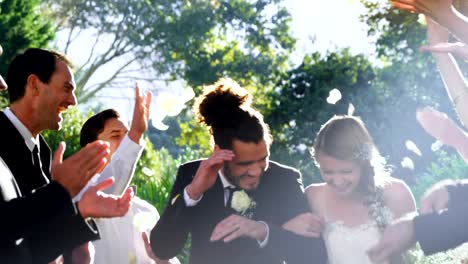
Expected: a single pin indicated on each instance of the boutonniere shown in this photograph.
(242, 203)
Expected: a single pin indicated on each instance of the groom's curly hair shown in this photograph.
(226, 108)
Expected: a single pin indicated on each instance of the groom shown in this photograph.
(242, 226)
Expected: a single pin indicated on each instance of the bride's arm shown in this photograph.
(398, 198)
(308, 224)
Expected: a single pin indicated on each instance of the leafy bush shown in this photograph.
(446, 166)
(155, 174)
(73, 119)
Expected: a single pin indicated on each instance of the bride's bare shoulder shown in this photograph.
(315, 188)
(315, 193)
(398, 196)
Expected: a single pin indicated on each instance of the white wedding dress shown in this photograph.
(348, 245)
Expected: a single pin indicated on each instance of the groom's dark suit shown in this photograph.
(49, 236)
(279, 197)
(441, 231)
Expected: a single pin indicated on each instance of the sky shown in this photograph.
(332, 23)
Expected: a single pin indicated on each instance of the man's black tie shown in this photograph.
(231, 190)
(38, 167)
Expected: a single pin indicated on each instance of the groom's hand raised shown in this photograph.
(208, 172)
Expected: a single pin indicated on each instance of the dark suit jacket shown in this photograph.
(441, 231)
(52, 233)
(279, 197)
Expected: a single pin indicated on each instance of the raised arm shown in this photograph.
(123, 162)
(455, 83)
(441, 127)
(442, 11)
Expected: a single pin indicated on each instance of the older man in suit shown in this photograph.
(234, 203)
(36, 208)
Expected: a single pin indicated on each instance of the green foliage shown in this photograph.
(70, 132)
(196, 136)
(3, 100)
(198, 41)
(299, 104)
(399, 35)
(409, 80)
(385, 97)
(22, 25)
(155, 174)
(446, 166)
(156, 171)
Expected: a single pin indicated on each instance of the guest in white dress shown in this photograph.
(358, 197)
(121, 239)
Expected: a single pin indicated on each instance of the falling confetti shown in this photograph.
(148, 172)
(422, 20)
(301, 147)
(351, 109)
(169, 104)
(436, 145)
(410, 145)
(407, 163)
(334, 96)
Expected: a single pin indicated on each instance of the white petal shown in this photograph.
(187, 94)
(412, 147)
(422, 19)
(407, 163)
(168, 103)
(334, 96)
(351, 109)
(301, 147)
(157, 123)
(436, 145)
(148, 172)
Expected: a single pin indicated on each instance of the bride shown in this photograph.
(358, 197)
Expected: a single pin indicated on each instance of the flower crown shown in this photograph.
(364, 152)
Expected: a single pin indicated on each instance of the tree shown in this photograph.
(299, 105)
(411, 77)
(197, 41)
(386, 97)
(23, 24)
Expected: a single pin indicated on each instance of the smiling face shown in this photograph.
(248, 165)
(56, 96)
(342, 176)
(113, 132)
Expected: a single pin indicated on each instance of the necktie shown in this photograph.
(42, 178)
(230, 192)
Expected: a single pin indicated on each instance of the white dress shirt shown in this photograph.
(121, 167)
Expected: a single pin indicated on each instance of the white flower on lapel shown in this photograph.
(241, 201)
